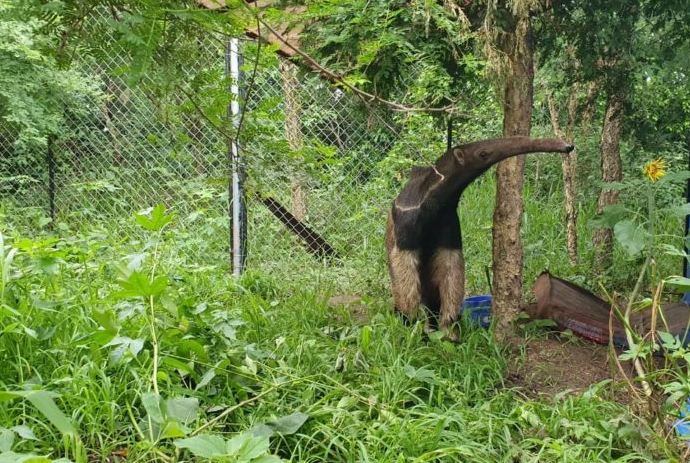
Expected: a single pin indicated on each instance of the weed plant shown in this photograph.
(113, 347)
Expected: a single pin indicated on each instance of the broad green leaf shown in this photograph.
(672, 250)
(267, 459)
(186, 347)
(155, 220)
(234, 445)
(668, 340)
(24, 432)
(43, 401)
(254, 447)
(422, 374)
(630, 236)
(6, 396)
(680, 211)
(12, 457)
(139, 285)
(124, 344)
(262, 430)
(610, 217)
(289, 424)
(47, 264)
(106, 319)
(35, 459)
(182, 409)
(151, 403)
(682, 283)
(675, 176)
(172, 430)
(203, 445)
(6, 440)
(208, 376)
(178, 365)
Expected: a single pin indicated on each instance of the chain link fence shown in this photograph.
(320, 167)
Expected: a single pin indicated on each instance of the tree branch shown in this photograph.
(334, 77)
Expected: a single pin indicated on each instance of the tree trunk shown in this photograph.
(589, 106)
(569, 165)
(517, 118)
(107, 111)
(293, 134)
(611, 171)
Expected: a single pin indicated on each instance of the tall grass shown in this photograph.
(239, 356)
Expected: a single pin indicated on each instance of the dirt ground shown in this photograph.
(552, 365)
(546, 365)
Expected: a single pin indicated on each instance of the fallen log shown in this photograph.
(312, 241)
(585, 314)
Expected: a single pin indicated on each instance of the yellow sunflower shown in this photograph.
(655, 169)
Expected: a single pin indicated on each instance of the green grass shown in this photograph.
(373, 390)
(263, 348)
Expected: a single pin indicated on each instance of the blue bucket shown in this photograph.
(682, 425)
(478, 309)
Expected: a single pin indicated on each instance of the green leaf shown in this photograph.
(365, 338)
(139, 285)
(680, 211)
(173, 429)
(24, 432)
(422, 374)
(106, 319)
(675, 176)
(12, 457)
(682, 283)
(668, 340)
(254, 447)
(630, 236)
(610, 216)
(6, 440)
(672, 250)
(182, 409)
(267, 459)
(152, 405)
(178, 365)
(208, 376)
(43, 401)
(234, 445)
(262, 430)
(289, 424)
(203, 445)
(154, 220)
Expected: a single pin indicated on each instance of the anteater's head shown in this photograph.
(473, 159)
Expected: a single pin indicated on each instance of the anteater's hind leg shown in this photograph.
(404, 270)
(405, 281)
(447, 272)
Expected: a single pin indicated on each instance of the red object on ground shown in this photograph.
(585, 314)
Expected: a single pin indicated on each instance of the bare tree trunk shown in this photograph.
(569, 165)
(590, 105)
(507, 244)
(293, 134)
(611, 171)
(107, 110)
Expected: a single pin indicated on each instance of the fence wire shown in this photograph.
(318, 166)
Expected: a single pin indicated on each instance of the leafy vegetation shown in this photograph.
(122, 337)
(115, 351)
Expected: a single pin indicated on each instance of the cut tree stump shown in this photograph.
(585, 314)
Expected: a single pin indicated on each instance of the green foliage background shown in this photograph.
(121, 332)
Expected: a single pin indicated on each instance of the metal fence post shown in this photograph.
(51, 178)
(236, 195)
